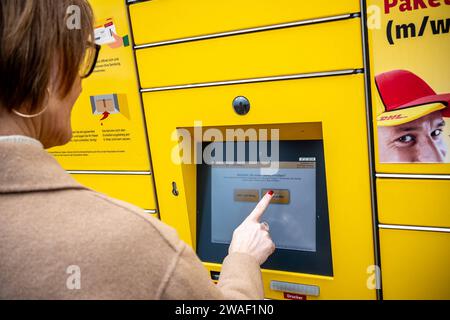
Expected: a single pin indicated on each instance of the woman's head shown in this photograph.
(41, 59)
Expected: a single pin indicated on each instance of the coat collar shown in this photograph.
(26, 167)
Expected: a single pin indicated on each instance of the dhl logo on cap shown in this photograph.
(406, 97)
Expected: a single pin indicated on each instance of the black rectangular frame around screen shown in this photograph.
(319, 262)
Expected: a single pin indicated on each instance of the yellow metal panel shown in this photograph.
(415, 264)
(160, 20)
(414, 202)
(320, 47)
(325, 283)
(335, 103)
(138, 190)
(119, 141)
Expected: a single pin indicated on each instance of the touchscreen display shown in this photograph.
(236, 189)
(228, 190)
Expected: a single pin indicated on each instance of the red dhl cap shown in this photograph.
(406, 97)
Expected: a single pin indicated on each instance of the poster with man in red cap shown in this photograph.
(410, 43)
(411, 127)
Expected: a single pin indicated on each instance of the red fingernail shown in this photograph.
(270, 192)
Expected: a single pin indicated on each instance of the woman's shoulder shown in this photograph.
(122, 251)
(127, 212)
(105, 212)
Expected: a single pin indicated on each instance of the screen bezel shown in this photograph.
(318, 262)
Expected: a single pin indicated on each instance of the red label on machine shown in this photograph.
(294, 296)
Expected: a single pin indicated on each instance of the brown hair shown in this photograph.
(34, 36)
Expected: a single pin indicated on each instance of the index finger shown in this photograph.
(262, 205)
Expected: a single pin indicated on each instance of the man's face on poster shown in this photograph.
(421, 140)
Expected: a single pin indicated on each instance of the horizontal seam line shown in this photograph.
(413, 227)
(298, 23)
(308, 75)
(413, 176)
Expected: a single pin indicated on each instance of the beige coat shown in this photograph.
(52, 230)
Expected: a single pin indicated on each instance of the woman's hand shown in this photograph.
(252, 236)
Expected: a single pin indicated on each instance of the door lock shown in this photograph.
(175, 189)
(241, 105)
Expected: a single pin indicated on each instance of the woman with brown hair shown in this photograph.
(51, 227)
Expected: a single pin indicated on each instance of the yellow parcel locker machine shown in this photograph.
(218, 146)
(320, 219)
